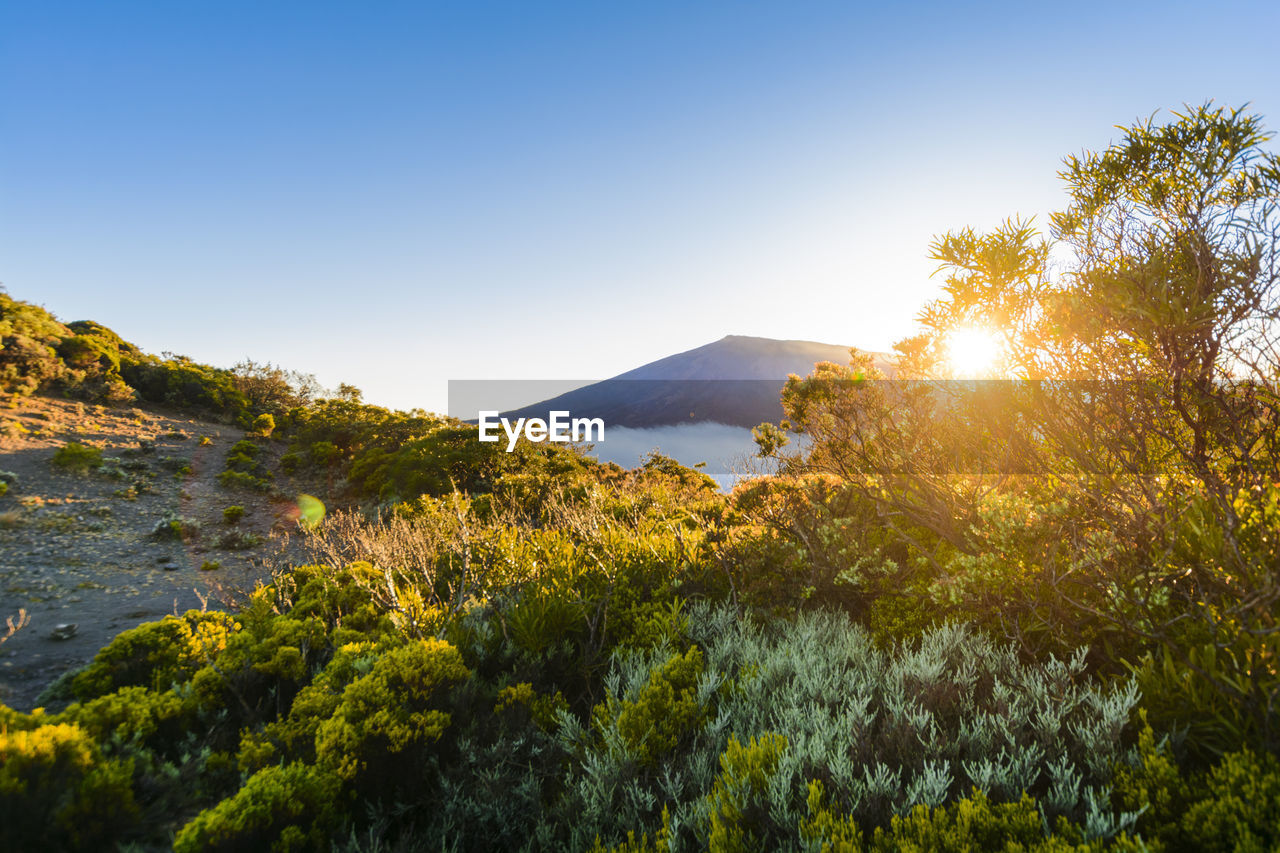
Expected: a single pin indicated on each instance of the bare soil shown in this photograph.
(79, 549)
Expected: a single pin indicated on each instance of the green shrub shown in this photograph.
(1234, 806)
(290, 462)
(156, 654)
(245, 447)
(78, 458)
(232, 514)
(176, 528)
(131, 715)
(263, 425)
(238, 540)
(325, 453)
(739, 802)
(57, 792)
(293, 808)
(241, 480)
(969, 825)
(382, 714)
(662, 713)
(883, 729)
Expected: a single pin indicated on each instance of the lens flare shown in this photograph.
(973, 351)
(310, 512)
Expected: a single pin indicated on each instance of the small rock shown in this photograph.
(170, 567)
(63, 631)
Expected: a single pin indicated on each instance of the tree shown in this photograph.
(1129, 467)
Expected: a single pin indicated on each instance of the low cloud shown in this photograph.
(728, 451)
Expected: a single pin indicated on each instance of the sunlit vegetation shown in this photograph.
(1036, 613)
(77, 458)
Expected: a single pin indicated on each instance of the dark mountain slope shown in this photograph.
(735, 380)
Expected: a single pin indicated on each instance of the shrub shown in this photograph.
(263, 425)
(290, 808)
(884, 730)
(173, 527)
(131, 715)
(974, 823)
(384, 713)
(232, 514)
(739, 802)
(325, 453)
(238, 540)
(241, 480)
(58, 792)
(78, 458)
(156, 654)
(662, 713)
(1233, 806)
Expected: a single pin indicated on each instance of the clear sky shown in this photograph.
(396, 194)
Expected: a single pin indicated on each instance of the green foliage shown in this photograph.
(325, 453)
(530, 650)
(244, 468)
(243, 480)
(232, 514)
(184, 384)
(884, 730)
(969, 825)
(288, 809)
(57, 791)
(1234, 806)
(1182, 687)
(176, 528)
(29, 336)
(1242, 809)
(77, 458)
(738, 801)
(384, 713)
(156, 654)
(263, 425)
(291, 462)
(131, 715)
(662, 713)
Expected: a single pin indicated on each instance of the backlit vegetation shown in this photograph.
(1031, 614)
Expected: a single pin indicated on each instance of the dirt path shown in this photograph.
(79, 548)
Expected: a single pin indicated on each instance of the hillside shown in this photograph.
(80, 548)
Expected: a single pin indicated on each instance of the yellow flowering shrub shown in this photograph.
(390, 709)
(156, 654)
(57, 792)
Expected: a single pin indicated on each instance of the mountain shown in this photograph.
(735, 380)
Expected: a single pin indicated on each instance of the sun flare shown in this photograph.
(973, 351)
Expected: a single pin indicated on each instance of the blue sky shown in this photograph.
(397, 194)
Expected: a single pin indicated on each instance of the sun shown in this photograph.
(973, 351)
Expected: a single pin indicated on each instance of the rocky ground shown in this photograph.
(78, 549)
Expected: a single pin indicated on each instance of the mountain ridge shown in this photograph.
(735, 380)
